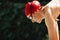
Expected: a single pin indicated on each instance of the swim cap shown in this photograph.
(31, 7)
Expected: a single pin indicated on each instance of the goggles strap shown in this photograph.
(31, 10)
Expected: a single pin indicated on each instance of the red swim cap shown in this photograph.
(31, 7)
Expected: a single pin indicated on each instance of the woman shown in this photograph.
(49, 12)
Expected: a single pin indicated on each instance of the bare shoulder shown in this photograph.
(47, 10)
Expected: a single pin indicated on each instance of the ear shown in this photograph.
(43, 7)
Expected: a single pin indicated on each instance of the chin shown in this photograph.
(39, 21)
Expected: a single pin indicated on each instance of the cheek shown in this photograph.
(41, 18)
(37, 16)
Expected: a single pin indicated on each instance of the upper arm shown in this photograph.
(51, 25)
(49, 20)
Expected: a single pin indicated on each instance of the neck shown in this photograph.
(42, 13)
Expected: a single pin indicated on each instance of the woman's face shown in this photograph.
(37, 16)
